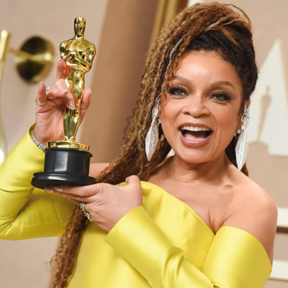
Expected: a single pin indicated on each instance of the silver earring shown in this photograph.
(241, 148)
(152, 137)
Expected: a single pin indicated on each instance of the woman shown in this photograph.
(195, 220)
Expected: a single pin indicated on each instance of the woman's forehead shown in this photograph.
(206, 64)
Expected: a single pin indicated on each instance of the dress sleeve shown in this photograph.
(230, 262)
(25, 211)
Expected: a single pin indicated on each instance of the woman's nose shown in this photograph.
(196, 106)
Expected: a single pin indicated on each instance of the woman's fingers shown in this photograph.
(76, 194)
(133, 180)
(63, 93)
(77, 198)
(60, 90)
(41, 97)
(61, 70)
(77, 191)
(85, 102)
(55, 92)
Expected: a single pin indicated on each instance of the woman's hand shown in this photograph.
(106, 203)
(49, 117)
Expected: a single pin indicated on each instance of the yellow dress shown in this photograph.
(162, 244)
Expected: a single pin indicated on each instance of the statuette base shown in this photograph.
(64, 166)
(69, 145)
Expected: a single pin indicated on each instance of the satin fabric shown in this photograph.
(163, 243)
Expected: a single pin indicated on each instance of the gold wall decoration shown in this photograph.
(33, 61)
(4, 45)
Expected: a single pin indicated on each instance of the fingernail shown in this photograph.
(48, 189)
(64, 90)
(71, 105)
(89, 89)
(58, 189)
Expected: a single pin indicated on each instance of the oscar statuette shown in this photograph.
(67, 161)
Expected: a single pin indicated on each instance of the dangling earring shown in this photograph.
(152, 137)
(241, 148)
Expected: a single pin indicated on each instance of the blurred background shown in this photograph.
(122, 32)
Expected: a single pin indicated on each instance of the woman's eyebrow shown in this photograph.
(227, 83)
(185, 80)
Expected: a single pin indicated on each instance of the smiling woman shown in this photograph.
(203, 103)
(195, 219)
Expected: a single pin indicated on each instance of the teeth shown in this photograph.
(194, 139)
(192, 128)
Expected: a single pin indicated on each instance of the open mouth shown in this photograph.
(193, 133)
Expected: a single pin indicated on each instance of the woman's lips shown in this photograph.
(193, 141)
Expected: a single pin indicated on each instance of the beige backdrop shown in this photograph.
(126, 28)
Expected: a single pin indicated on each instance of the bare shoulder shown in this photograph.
(254, 211)
(97, 168)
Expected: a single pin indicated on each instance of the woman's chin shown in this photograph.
(192, 158)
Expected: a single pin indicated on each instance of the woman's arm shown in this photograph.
(255, 212)
(236, 259)
(27, 212)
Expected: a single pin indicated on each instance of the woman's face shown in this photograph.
(201, 111)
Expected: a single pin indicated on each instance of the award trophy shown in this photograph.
(67, 161)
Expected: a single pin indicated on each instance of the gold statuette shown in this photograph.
(67, 161)
(78, 54)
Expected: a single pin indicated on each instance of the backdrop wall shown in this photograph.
(121, 31)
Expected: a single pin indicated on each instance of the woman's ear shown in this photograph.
(248, 102)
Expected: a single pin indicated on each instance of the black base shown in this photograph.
(46, 179)
(64, 166)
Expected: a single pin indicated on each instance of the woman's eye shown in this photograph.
(177, 91)
(221, 97)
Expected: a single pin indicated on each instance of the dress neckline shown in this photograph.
(179, 201)
(200, 219)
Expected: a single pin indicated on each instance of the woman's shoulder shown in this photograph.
(255, 197)
(254, 211)
(247, 189)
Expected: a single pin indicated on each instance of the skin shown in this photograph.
(202, 177)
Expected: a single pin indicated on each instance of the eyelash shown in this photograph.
(223, 96)
(179, 91)
(176, 90)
